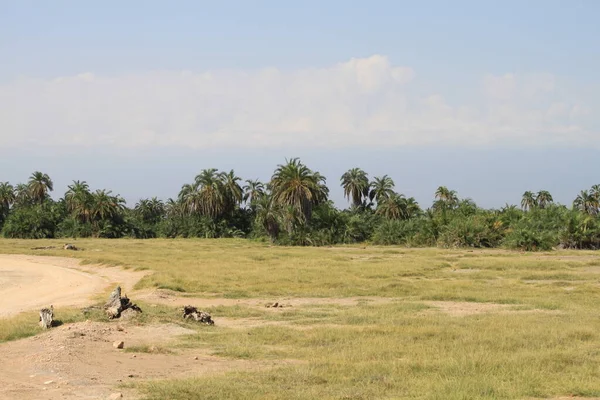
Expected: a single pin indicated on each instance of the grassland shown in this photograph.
(445, 324)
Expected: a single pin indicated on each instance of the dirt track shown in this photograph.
(32, 282)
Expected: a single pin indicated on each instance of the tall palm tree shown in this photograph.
(79, 200)
(253, 190)
(293, 184)
(207, 195)
(211, 196)
(234, 194)
(356, 185)
(528, 201)
(446, 196)
(39, 185)
(544, 198)
(267, 215)
(586, 203)
(381, 188)
(7, 198)
(595, 192)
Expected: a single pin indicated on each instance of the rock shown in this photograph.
(120, 328)
(48, 382)
(118, 345)
(115, 396)
(195, 358)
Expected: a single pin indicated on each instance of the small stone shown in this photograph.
(195, 358)
(120, 328)
(133, 356)
(48, 382)
(115, 396)
(118, 345)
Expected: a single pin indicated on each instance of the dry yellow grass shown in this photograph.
(456, 324)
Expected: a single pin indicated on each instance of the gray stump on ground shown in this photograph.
(46, 317)
(117, 304)
(197, 315)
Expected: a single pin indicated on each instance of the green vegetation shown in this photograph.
(293, 209)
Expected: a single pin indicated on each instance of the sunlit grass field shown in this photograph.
(446, 324)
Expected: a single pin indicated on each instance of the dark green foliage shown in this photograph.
(294, 209)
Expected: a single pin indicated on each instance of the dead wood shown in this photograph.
(197, 315)
(116, 304)
(43, 248)
(46, 317)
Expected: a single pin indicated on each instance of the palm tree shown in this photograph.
(267, 215)
(446, 196)
(528, 201)
(7, 198)
(595, 192)
(253, 190)
(586, 203)
(22, 194)
(210, 193)
(232, 189)
(79, 200)
(207, 195)
(295, 185)
(392, 207)
(412, 208)
(381, 188)
(543, 199)
(150, 210)
(39, 186)
(356, 185)
(106, 206)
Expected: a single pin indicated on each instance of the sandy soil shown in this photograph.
(33, 282)
(79, 361)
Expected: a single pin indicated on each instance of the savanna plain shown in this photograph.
(355, 322)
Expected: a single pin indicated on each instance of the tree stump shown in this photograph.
(46, 317)
(117, 304)
(70, 246)
(196, 315)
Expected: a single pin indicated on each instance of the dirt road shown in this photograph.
(32, 282)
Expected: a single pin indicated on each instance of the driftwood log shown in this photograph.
(46, 317)
(117, 304)
(197, 315)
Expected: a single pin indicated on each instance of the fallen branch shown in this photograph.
(43, 248)
(46, 317)
(117, 304)
(196, 315)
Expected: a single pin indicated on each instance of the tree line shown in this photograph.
(293, 208)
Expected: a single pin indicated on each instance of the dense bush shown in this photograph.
(294, 209)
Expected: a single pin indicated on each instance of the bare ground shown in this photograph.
(79, 361)
(31, 282)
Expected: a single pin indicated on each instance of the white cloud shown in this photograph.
(361, 102)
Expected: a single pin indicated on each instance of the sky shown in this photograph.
(489, 98)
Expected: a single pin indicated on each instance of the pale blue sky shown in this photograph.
(445, 90)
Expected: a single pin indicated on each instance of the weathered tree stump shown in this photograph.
(70, 246)
(117, 304)
(46, 317)
(196, 315)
